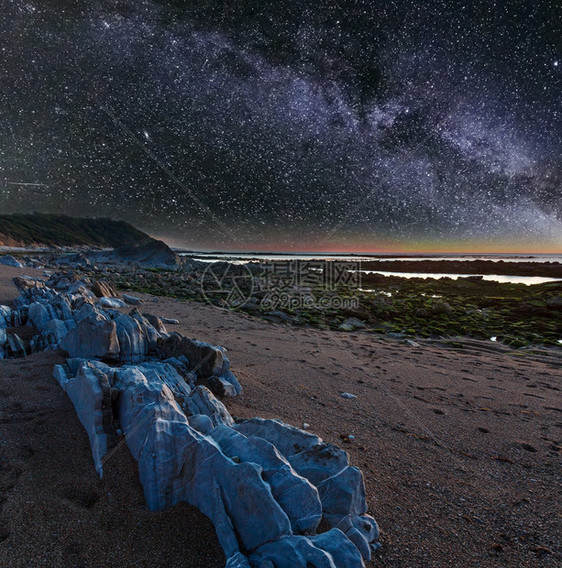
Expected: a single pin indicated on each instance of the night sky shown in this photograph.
(289, 124)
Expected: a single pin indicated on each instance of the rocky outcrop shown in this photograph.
(95, 336)
(9, 260)
(154, 254)
(210, 363)
(266, 486)
(14, 347)
(103, 289)
(90, 393)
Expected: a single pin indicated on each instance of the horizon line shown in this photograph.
(369, 253)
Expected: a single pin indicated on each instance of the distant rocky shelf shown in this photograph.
(520, 268)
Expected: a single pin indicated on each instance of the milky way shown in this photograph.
(288, 124)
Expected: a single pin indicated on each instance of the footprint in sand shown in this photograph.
(82, 496)
(4, 531)
(8, 479)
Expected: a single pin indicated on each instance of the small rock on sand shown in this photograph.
(348, 395)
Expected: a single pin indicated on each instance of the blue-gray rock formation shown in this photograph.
(265, 485)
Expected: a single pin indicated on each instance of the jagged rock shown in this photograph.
(103, 289)
(253, 495)
(207, 359)
(24, 283)
(363, 532)
(319, 462)
(293, 551)
(52, 334)
(133, 342)
(210, 363)
(296, 495)
(5, 316)
(61, 375)
(208, 405)
(287, 439)
(167, 374)
(152, 334)
(201, 422)
(177, 463)
(84, 311)
(239, 561)
(156, 322)
(95, 336)
(343, 495)
(14, 347)
(62, 284)
(38, 315)
(264, 484)
(90, 393)
(74, 364)
(9, 260)
(183, 370)
(219, 386)
(341, 487)
(229, 382)
(344, 554)
(132, 300)
(111, 303)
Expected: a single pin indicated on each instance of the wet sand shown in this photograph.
(460, 448)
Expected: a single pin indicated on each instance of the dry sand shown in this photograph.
(460, 448)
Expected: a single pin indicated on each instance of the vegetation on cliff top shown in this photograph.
(62, 230)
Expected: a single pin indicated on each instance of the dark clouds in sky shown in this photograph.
(288, 121)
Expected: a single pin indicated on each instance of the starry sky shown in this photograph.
(289, 124)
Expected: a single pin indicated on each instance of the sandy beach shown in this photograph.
(460, 447)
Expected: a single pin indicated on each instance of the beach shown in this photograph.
(459, 445)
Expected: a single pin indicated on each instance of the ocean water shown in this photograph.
(240, 258)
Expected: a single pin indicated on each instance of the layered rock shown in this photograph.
(210, 363)
(103, 289)
(95, 336)
(260, 496)
(265, 485)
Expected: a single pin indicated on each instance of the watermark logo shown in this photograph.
(296, 301)
(292, 285)
(315, 274)
(227, 285)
